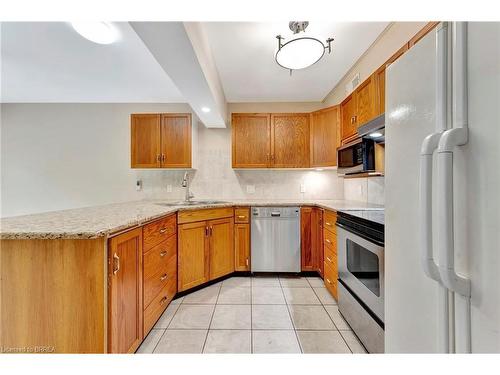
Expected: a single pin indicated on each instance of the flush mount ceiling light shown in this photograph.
(205, 109)
(97, 32)
(302, 52)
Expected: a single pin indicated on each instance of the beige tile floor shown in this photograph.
(259, 314)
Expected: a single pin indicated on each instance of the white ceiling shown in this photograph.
(244, 54)
(50, 62)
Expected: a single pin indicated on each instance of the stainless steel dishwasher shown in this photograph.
(275, 235)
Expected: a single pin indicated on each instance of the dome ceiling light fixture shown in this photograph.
(302, 52)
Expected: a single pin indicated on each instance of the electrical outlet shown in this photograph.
(302, 188)
(250, 189)
(169, 188)
(138, 185)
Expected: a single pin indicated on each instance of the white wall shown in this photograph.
(60, 156)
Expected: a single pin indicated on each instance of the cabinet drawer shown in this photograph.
(157, 259)
(154, 282)
(329, 220)
(330, 240)
(158, 305)
(158, 231)
(331, 276)
(191, 216)
(241, 215)
(331, 257)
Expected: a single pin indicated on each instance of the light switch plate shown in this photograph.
(250, 189)
(169, 188)
(302, 188)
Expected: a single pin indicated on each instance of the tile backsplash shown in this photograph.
(369, 189)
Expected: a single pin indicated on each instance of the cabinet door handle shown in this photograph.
(163, 277)
(328, 241)
(246, 262)
(162, 157)
(163, 230)
(211, 230)
(158, 157)
(328, 259)
(206, 231)
(163, 253)
(163, 300)
(116, 263)
(328, 281)
(327, 223)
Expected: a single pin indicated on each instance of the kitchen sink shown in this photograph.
(189, 203)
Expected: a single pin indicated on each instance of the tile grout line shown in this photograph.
(168, 325)
(211, 318)
(291, 319)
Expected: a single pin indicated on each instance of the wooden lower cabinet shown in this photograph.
(242, 247)
(330, 251)
(331, 276)
(205, 249)
(125, 312)
(311, 239)
(193, 255)
(221, 244)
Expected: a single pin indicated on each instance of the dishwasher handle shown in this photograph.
(275, 213)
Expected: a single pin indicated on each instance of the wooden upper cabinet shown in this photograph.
(348, 111)
(366, 101)
(193, 255)
(251, 140)
(161, 140)
(380, 79)
(290, 140)
(221, 233)
(145, 140)
(125, 310)
(176, 140)
(325, 137)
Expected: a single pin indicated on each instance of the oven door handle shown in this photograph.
(362, 235)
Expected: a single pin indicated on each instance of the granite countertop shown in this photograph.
(101, 221)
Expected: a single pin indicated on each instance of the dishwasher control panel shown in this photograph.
(285, 212)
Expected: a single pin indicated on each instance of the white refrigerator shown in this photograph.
(442, 224)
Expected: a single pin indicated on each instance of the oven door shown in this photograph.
(361, 268)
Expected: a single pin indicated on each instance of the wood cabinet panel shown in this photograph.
(318, 240)
(190, 216)
(348, 116)
(176, 140)
(311, 239)
(251, 140)
(242, 247)
(160, 267)
(366, 103)
(324, 137)
(331, 279)
(125, 312)
(153, 312)
(290, 146)
(193, 255)
(241, 214)
(330, 218)
(221, 233)
(145, 140)
(330, 239)
(158, 231)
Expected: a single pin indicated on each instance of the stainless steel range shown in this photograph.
(360, 247)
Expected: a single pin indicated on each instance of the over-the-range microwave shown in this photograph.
(357, 156)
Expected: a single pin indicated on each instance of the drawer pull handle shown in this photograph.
(163, 253)
(327, 240)
(116, 263)
(328, 259)
(163, 300)
(328, 281)
(163, 277)
(327, 223)
(163, 230)
(241, 216)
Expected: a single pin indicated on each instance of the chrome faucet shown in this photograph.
(185, 184)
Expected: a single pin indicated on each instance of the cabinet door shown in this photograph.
(251, 140)
(125, 292)
(365, 101)
(324, 139)
(176, 140)
(317, 239)
(242, 247)
(348, 109)
(145, 140)
(290, 146)
(306, 248)
(221, 247)
(193, 257)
